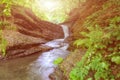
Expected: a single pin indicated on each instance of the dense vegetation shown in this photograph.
(102, 44)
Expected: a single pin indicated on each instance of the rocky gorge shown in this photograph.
(25, 32)
(88, 43)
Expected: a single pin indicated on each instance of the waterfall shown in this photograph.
(59, 42)
(65, 30)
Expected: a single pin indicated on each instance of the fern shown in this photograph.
(98, 42)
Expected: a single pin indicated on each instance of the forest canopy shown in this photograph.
(55, 11)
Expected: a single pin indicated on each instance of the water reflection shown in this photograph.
(17, 69)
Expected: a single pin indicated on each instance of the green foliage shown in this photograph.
(111, 2)
(56, 15)
(116, 59)
(103, 47)
(3, 41)
(92, 38)
(58, 61)
(6, 11)
(89, 79)
(3, 44)
(93, 59)
(101, 67)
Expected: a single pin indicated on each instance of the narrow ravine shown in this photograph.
(35, 67)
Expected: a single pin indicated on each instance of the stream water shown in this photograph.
(35, 67)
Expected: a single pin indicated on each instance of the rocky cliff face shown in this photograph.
(25, 32)
(28, 24)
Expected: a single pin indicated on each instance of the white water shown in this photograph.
(44, 63)
(65, 30)
(59, 42)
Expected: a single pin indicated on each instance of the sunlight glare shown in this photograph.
(48, 5)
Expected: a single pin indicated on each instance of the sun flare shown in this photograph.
(48, 5)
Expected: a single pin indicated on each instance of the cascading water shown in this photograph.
(65, 30)
(47, 58)
(35, 67)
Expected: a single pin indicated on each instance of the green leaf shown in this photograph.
(116, 59)
(79, 42)
(58, 61)
(89, 79)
